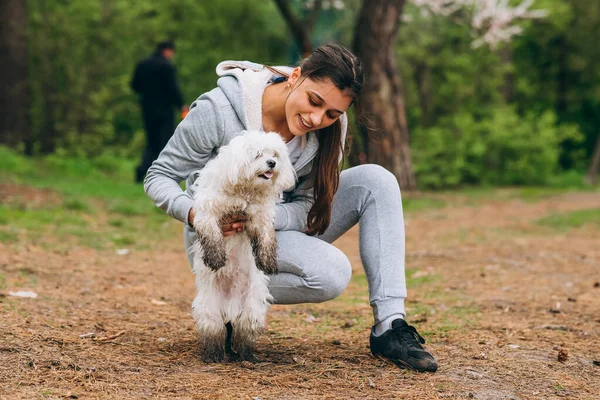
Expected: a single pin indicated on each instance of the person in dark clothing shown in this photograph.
(155, 81)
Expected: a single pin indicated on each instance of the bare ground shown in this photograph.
(497, 296)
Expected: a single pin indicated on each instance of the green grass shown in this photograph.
(76, 204)
(456, 315)
(574, 219)
(99, 205)
(415, 204)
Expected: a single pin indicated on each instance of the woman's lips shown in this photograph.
(303, 123)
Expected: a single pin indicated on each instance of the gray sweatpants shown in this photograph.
(311, 270)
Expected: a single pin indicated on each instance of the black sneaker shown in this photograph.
(402, 345)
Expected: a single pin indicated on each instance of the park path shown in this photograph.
(498, 296)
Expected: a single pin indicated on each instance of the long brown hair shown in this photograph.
(345, 70)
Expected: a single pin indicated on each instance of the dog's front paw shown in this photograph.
(265, 255)
(213, 252)
(269, 269)
(214, 261)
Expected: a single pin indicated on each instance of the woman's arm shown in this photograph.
(293, 215)
(188, 151)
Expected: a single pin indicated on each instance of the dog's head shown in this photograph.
(259, 160)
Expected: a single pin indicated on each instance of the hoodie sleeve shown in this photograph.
(293, 215)
(189, 150)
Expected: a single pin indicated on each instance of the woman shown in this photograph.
(307, 106)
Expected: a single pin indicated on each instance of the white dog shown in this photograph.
(246, 178)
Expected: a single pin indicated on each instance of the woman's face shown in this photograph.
(313, 105)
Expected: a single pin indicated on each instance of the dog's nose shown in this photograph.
(271, 163)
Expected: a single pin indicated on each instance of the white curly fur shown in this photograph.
(247, 176)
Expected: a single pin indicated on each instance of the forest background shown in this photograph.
(517, 113)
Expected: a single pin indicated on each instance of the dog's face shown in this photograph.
(260, 160)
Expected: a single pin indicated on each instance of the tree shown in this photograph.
(14, 84)
(300, 29)
(592, 173)
(374, 43)
(383, 99)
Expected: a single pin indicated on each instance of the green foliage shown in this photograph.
(82, 56)
(13, 161)
(573, 219)
(503, 149)
(90, 191)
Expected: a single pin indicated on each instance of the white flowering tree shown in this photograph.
(493, 22)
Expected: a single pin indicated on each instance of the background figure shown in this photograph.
(156, 81)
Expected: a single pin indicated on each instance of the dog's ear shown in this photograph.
(287, 174)
(287, 177)
(236, 160)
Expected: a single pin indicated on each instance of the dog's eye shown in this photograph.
(259, 154)
(276, 155)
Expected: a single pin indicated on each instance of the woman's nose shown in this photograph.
(316, 118)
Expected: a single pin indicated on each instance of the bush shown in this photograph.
(12, 161)
(503, 149)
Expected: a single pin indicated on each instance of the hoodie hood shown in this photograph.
(243, 83)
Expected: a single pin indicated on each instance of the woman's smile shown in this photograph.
(304, 124)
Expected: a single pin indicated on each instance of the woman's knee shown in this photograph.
(334, 275)
(371, 176)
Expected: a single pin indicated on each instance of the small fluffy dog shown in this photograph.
(246, 178)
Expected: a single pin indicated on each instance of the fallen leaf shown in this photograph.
(310, 318)
(158, 302)
(23, 293)
(371, 383)
(105, 338)
(553, 327)
(563, 355)
(514, 346)
(122, 252)
(88, 335)
(347, 324)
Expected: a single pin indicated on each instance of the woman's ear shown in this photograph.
(294, 76)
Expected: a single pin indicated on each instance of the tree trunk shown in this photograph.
(14, 84)
(382, 98)
(592, 174)
(300, 29)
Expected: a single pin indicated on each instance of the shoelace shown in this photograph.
(409, 332)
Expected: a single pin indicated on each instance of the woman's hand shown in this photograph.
(233, 224)
(230, 226)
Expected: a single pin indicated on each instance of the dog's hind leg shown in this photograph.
(243, 341)
(252, 320)
(214, 347)
(211, 328)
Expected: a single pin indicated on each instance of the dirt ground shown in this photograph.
(497, 296)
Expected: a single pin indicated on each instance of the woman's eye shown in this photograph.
(331, 116)
(312, 102)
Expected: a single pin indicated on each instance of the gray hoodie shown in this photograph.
(214, 119)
